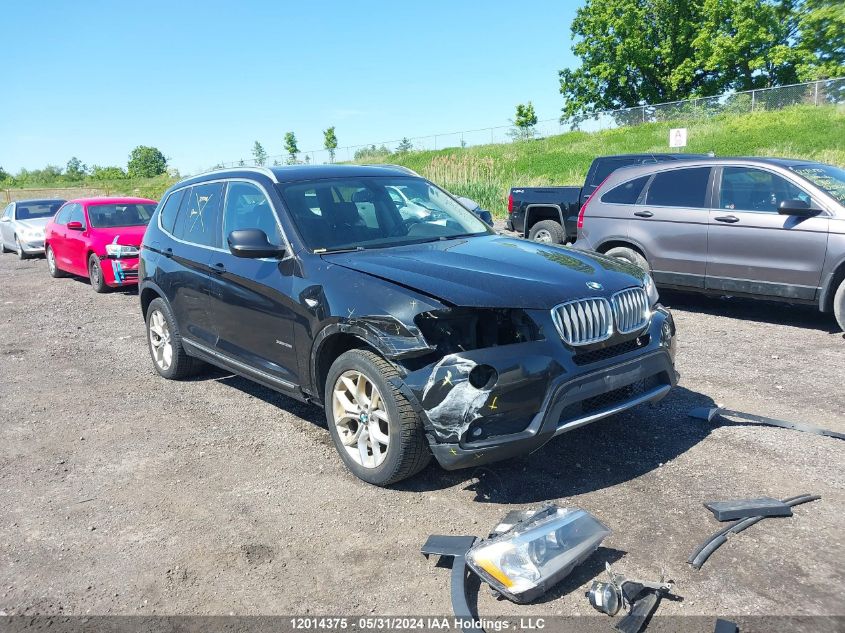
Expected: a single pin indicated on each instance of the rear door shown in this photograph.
(6, 223)
(187, 277)
(752, 248)
(57, 234)
(669, 222)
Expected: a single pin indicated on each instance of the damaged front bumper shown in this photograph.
(495, 403)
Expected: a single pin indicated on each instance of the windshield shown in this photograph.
(827, 177)
(357, 213)
(36, 209)
(106, 216)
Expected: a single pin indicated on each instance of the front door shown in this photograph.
(6, 223)
(252, 300)
(752, 249)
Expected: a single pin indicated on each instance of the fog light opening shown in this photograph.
(483, 376)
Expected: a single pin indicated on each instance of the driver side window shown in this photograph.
(248, 208)
(748, 189)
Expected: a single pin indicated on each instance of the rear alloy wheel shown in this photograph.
(52, 266)
(629, 255)
(547, 232)
(19, 249)
(95, 274)
(375, 429)
(839, 305)
(169, 356)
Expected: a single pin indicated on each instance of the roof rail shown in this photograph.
(261, 170)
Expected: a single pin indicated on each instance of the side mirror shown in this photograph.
(75, 226)
(485, 216)
(5, 219)
(253, 244)
(797, 208)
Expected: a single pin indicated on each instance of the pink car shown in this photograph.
(99, 238)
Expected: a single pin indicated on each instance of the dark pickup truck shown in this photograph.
(550, 214)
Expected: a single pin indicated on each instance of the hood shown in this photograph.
(37, 224)
(494, 271)
(126, 235)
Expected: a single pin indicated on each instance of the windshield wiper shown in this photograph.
(326, 251)
(443, 238)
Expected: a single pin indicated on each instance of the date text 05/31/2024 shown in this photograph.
(398, 623)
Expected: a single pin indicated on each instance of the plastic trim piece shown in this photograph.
(703, 552)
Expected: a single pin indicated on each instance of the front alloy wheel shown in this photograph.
(160, 344)
(19, 248)
(361, 418)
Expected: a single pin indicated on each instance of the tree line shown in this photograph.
(144, 162)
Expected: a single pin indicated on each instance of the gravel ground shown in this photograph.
(124, 493)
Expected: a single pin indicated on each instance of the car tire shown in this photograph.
(163, 333)
(95, 274)
(52, 265)
(631, 256)
(405, 453)
(547, 232)
(839, 305)
(19, 249)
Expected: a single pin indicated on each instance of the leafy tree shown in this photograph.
(146, 162)
(525, 122)
(107, 173)
(330, 142)
(652, 51)
(405, 145)
(75, 169)
(372, 153)
(291, 147)
(259, 154)
(821, 40)
(4, 175)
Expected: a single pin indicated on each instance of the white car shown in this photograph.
(22, 225)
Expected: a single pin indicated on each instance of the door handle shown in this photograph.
(218, 268)
(643, 214)
(730, 219)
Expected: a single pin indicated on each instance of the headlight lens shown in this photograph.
(650, 290)
(530, 557)
(121, 250)
(31, 234)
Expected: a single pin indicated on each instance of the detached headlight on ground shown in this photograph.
(532, 555)
(120, 250)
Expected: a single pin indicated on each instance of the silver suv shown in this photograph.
(767, 228)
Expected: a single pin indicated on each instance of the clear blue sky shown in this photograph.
(203, 80)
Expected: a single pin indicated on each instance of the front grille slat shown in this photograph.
(583, 321)
(630, 308)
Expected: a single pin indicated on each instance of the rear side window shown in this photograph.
(680, 188)
(170, 210)
(199, 220)
(626, 193)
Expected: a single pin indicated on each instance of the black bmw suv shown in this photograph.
(374, 294)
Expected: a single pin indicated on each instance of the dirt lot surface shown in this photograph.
(123, 493)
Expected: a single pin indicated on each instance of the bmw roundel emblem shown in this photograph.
(594, 285)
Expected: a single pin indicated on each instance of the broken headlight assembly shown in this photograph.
(523, 560)
(464, 329)
(116, 251)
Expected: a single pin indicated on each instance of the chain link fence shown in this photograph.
(814, 93)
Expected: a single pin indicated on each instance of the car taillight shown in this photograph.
(586, 202)
(510, 203)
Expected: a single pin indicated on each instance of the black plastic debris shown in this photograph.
(743, 508)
